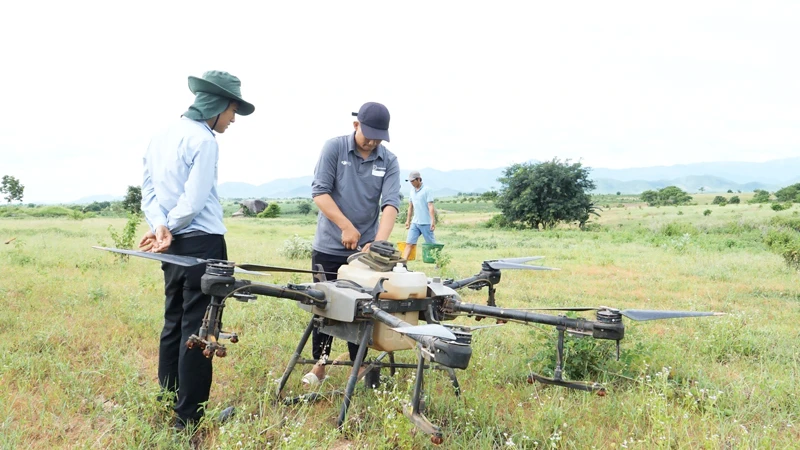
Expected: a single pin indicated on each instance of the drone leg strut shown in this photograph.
(351, 381)
(415, 415)
(454, 380)
(293, 361)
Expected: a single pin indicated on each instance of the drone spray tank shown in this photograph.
(401, 285)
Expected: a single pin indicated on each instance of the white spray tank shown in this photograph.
(401, 284)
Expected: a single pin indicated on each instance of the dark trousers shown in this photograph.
(321, 342)
(181, 370)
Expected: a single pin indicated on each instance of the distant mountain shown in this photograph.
(779, 172)
(691, 183)
(712, 177)
(97, 198)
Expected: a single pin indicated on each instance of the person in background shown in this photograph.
(357, 190)
(182, 208)
(421, 218)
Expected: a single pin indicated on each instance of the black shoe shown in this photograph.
(179, 425)
(226, 414)
(372, 379)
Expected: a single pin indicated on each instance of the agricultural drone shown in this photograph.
(378, 303)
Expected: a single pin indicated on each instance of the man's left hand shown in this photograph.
(433, 227)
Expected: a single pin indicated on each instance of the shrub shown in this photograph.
(786, 243)
(296, 248)
(128, 235)
(304, 208)
(719, 200)
(707, 212)
(780, 206)
(734, 200)
(272, 211)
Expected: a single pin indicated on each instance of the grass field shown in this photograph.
(80, 340)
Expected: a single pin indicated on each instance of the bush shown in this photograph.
(500, 221)
(127, 237)
(707, 212)
(719, 200)
(786, 243)
(761, 196)
(304, 208)
(296, 248)
(781, 206)
(272, 211)
(734, 200)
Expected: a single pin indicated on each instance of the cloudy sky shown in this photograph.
(615, 84)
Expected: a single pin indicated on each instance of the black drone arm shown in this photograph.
(477, 281)
(299, 293)
(612, 331)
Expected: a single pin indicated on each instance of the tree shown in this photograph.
(650, 197)
(702, 189)
(761, 196)
(544, 194)
(11, 188)
(304, 208)
(133, 200)
(668, 196)
(719, 200)
(734, 200)
(789, 193)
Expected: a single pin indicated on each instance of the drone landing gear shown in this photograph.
(209, 342)
(414, 411)
(557, 380)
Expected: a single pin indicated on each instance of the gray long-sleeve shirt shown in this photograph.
(360, 187)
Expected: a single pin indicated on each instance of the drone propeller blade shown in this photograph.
(521, 260)
(250, 272)
(562, 308)
(643, 314)
(497, 265)
(186, 261)
(263, 268)
(431, 329)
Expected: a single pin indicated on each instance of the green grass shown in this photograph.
(80, 334)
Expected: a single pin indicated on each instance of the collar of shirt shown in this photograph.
(201, 123)
(378, 153)
(420, 188)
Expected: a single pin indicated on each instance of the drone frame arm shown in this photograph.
(611, 331)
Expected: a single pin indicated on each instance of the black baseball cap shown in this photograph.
(374, 119)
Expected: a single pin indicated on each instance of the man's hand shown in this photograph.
(161, 240)
(147, 241)
(408, 224)
(350, 237)
(433, 227)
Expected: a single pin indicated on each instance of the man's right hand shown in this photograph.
(350, 237)
(408, 225)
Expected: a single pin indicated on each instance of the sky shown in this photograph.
(468, 85)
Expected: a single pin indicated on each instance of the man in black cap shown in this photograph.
(181, 205)
(356, 178)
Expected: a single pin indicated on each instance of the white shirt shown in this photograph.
(179, 188)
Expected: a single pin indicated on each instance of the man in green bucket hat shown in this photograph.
(182, 208)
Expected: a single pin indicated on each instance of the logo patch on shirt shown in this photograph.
(378, 171)
(346, 163)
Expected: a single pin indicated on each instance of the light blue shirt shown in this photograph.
(420, 199)
(179, 188)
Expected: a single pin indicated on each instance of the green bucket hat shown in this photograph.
(221, 84)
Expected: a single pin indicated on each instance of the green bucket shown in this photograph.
(427, 252)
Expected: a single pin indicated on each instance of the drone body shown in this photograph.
(377, 303)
